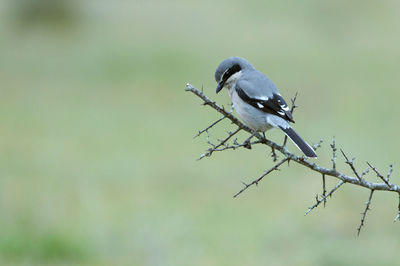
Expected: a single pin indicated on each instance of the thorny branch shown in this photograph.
(386, 180)
(365, 211)
(221, 143)
(351, 164)
(275, 167)
(357, 179)
(323, 199)
(334, 157)
(210, 126)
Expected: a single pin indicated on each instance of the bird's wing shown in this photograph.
(264, 96)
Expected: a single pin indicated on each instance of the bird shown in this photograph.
(256, 100)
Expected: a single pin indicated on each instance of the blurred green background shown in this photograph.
(98, 161)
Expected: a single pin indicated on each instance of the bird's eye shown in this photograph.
(227, 73)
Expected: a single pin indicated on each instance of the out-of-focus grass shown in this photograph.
(97, 161)
(45, 247)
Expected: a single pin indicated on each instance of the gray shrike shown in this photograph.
(257, 100)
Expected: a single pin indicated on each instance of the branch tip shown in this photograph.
(364, 214)
(317, 145)
(333, 146)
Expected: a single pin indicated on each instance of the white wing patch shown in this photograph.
(285, 108)
(260, 105)
(263, 98)
(282, 105)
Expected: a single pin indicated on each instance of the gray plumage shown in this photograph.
(257, 100)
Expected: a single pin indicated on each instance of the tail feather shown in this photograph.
(300, 143)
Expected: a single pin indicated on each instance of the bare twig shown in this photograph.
(333, 146)
(291, 110)
(237, 145)
(351, 164)
(209, 127)
(390, 172)
(365, 211)
(324, 189)
(222, 142)
(379, 175)
(275, 167)
(317, 145)
(323, 199)
(366, 171)
(293, 100)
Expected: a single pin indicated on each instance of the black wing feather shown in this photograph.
(275, 105)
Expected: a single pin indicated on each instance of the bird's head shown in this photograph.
(229, 67)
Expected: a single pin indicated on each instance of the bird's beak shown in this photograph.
(219, 87)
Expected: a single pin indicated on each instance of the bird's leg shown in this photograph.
(273, 153)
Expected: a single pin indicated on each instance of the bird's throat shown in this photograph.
(231, 81)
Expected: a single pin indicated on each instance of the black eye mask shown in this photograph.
(231, 71)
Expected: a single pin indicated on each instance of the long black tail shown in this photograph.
(300, 143)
